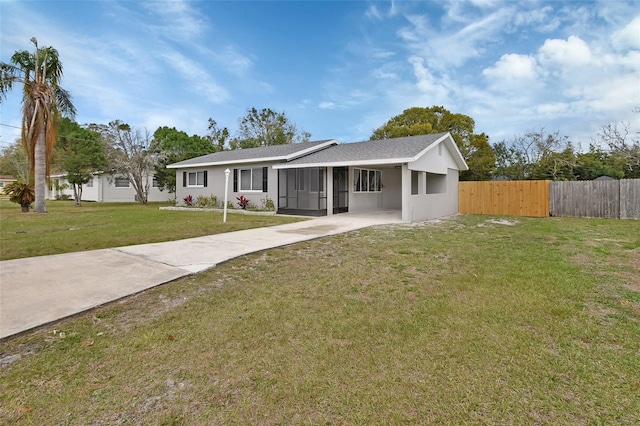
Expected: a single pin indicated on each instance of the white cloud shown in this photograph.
(373, 13)
(573, 52)
(444, 46)
(513, 66)
(382, 54)
(175, 19)
(233, 60)
(542, 20)
(197, 78)
(553, 109)
(426, 82)
(628, 37)
(327, 105)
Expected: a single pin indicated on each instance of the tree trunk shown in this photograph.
(40, 170)
(77, 193)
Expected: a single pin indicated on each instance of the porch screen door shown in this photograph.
(340, 190)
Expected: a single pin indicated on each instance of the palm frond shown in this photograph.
(64, 102)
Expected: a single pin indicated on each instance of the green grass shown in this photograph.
(66, 228)
(467, 321)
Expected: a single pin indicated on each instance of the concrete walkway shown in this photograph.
(38, 290)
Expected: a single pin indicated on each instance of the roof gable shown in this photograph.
(278, 153)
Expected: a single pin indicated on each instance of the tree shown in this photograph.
(14, 162)
(535, 155)
(624, 148)
(596, 163)
(43, 102)
(171, 145)
(415, 121)
(129, 153)
(82, 155)
(266, 128)
(217, 137)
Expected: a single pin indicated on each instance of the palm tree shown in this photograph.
(42, 104)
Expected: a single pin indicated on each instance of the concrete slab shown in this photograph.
(38, 290)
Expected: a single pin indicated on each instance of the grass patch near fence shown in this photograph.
(473, 320)
(67, 228)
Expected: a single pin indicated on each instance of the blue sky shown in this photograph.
(338, 69)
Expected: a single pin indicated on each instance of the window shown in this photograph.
(367, 180)
(196, 179)
(122, 182)
(154, 183)
(1, 184)
(89, 183)
(251, 179)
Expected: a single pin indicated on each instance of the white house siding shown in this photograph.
(103, 189)
(216, 182)
(436, 160)
(425, 206)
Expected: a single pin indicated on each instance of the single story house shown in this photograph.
(415, 175)
(104, 187)
(4, 181)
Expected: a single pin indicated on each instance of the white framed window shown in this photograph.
(366, 180)
(195, 179)
(89, 183)
(251, 179)
(122, 182)
(154, 182)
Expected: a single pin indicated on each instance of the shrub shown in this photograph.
(21, 193)
(268, 204)
(202, 201)
(188, 200)
(243, 201)
(213, 201)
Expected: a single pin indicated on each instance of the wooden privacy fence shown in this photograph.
(619, 199)
(540, 198)
(512, 198)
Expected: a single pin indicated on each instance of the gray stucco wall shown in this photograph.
(216, 182)
(423, 206)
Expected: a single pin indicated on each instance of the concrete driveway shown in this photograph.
(37, 290)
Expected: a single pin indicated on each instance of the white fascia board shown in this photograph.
(451, 145)
(358, 163)
(222, 163)
(289, 157)
(312, 149)
(429, 147)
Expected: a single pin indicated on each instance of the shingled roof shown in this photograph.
(251, 155)
(386, 151)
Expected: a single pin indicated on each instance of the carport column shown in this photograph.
(329, 190)
(406, 192)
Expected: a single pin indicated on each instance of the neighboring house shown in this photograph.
(104, 187)
(416, 175)
(4, 181)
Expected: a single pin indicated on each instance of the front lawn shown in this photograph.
(472, 320)
(67, 228)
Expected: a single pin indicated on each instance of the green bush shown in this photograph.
(202, 201)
